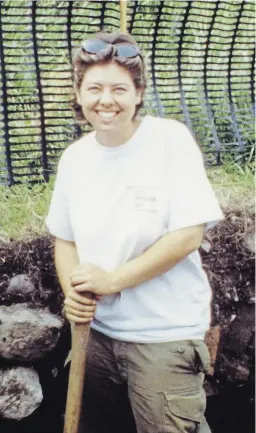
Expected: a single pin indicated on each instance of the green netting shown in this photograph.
(200, 55)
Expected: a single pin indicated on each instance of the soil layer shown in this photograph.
(229, 264)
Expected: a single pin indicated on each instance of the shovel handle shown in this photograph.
(80, 335)
(123, 15)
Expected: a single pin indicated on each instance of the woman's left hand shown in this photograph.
(92, 278)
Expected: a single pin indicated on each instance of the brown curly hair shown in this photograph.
(81, 61)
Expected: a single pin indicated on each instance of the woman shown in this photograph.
(129, 210)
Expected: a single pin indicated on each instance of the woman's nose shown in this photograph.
(106, 97)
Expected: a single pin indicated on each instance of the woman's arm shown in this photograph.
(159, 258)
(156, 260)
(66, 259)
(78, 308)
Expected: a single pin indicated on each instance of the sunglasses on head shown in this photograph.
(94, 46)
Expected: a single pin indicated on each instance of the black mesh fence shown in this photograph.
(200, 70)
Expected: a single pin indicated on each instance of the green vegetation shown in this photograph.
(234, 187)
(23, 208)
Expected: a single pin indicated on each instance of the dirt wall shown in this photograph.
(35, 336)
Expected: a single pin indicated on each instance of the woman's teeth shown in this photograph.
(107, 114)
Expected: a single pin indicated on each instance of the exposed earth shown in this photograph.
(228, 259)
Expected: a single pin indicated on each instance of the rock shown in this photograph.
(20, 285)
(27, 334)
(206, 245)
(20, 392)
(249, 242)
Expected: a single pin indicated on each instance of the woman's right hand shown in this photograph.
(79, 308)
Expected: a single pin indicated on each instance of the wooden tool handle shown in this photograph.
(80, 335)
(123, 15)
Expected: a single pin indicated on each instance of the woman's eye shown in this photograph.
(93, 89)
(120, 90)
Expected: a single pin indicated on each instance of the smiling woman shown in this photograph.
(108, 98)
(129, 210)
(108, 94)
(101, 51)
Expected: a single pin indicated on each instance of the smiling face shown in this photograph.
(108, 98)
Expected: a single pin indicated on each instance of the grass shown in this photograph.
(23, 208)
(234, 187)
(22, 211)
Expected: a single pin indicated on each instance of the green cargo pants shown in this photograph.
(144, 388)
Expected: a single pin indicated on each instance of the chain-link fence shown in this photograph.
(200, 54)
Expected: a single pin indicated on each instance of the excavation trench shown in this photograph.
(35, 338)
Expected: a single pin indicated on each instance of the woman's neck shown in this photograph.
(117, 138)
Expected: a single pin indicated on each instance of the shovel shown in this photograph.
(80, 335)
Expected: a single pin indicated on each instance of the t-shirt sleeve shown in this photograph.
(191, 197)
(58, 219)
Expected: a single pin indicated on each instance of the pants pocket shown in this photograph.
(202, 357)
(184, 412)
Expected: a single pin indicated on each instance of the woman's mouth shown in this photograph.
(107, 115)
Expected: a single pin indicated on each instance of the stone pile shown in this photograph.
(26, 335)
(29, 330)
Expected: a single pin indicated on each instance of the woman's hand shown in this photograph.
(92, 278)
(79, 308)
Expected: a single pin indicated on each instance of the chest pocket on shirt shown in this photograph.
(146, 200)
(145, 211)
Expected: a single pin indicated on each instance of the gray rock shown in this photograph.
(249, 242)
(27, 334)
(20, 392)
(206, 245)
(20, 285)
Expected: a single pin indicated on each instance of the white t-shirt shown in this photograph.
(114, 202)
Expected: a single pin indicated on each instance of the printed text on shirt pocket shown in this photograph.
(145, 198)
